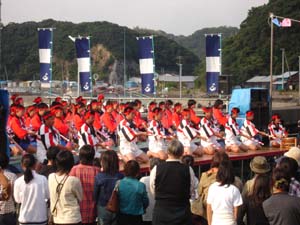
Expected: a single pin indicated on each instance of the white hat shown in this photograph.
(294, 153)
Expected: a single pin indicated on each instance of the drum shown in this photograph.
(288, 142)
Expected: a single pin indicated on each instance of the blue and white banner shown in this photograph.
(82, 45)
(213, 62)
(146, 60)
(45, 55)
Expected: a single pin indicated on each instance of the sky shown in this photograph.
(173, 16)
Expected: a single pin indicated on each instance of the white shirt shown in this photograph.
(33, 198)
(148, 215)
(192, 178)
(223, 199)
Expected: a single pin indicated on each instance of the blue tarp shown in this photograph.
(4, 110)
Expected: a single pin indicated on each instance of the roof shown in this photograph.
(175, 78)
(266, 79)
(258, 79)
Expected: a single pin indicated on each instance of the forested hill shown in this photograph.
(20, 50)
(248, 52)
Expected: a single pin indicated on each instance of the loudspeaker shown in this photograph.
(260, 106)
(4, 110)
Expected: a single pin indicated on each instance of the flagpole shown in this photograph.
(271, 64)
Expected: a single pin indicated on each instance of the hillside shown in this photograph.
(20, 51)
(248, 52)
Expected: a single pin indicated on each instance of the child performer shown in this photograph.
(277, 131)
(209, 131)
(232, 132)
(249, 129)
(157, 146)
(186, 133)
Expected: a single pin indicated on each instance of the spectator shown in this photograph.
(132, 196)
(208, 178)
(223, 197)
(65, 191)
(281, 208)
(252, 203)
(290, 167)
(172, 185)
(86, 173)
(189, 161)
(7, 206)
(258, 165)
(147, 217)
(105, 182)
(51, 166)
(31, 191)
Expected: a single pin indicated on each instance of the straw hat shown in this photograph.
(259, 165)
(294, 153)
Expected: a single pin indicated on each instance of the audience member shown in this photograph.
(51, 166)
(132, 196)
(105, 182)
(65, 191)
(223, 197)
(31, 191)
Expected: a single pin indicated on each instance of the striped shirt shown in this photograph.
(126, 132)
(156, 130)
(186, 130)
(87, 135)
(206, 128)
(249, 128)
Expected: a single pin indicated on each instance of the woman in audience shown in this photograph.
(252, 203)
(105, 182)
(65, 191)
(282, 208)
(223, 197)
(31, 191)
(132, 196)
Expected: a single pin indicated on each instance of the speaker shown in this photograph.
(260, 106)
(4, 110)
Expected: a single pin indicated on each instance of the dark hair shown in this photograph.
(188, 160)
(96, 162)
(289, 166)
(28, 161)
(280, 180)
(137, 102)
(4, 160)
(155, 162)
(175, 148)
(42, 105)
(261, 190)
(64, 161)
(191, 102)
(169, 102)
(52, 153)
(86, 154)
(217, 103)
(225, 174)
(218, 158)
(132, 169)
(109, 162)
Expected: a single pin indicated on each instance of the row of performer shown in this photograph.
(107, 124)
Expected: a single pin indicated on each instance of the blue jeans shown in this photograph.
(8, 219)
(106, 217)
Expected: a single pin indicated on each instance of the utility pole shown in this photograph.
(271, 63)
(180, 74)
(124, 61)
(299, 82)
(282, 66)
(1, 27)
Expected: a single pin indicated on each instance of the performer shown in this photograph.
(194, 118)
(138, 121)
(108, 123)
(59, 124)
(186, 133)
(167, 120)
(78, 117)
(19, 130)
(218, 115)
(277, 131)
(128, 136)
(47, 137)
(36, 121)
(232, 132)
(151, 106)
(176, 116)
(157, 145)
(249, 129)
(210, 132)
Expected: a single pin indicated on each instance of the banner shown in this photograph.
(45, 55)
(82, 45)
(213, 62)
(146, 61)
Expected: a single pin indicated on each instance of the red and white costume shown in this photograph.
(249, 129)
(232, 131)
(127, 136)
(48, 136)
(87, 136)
(277, 131)
(156, 137)
(186, 133)
(207, 129)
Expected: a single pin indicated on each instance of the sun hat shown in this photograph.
(259, 165)
(294, 153)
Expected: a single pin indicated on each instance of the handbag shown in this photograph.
(58, 191)
(113, 202)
